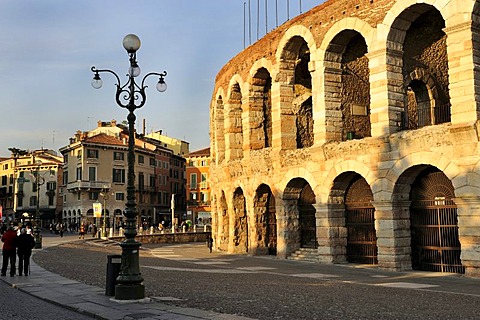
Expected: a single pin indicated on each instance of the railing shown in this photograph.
(88, 185)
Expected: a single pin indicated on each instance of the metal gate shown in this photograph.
(271, 226)
(434, 226)
(306, 211)
(360, 223)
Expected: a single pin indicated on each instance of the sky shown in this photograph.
(48, 47)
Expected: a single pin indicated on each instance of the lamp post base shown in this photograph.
(38, 239)
(129, 292)
(130, 281)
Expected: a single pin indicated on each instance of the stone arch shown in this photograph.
(300, 215)
(296, 173)
(432, 215)
(348, 166)
(439, 161)
(260, 106)
(233, 113)
(351, 199)
(265, 221)
(417, 46)
(240, 222)
(294, 81)
(224, 223)
(217, 124)
(348, 87)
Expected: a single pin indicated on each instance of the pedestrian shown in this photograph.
(61, 229)
(209, 242)
(81, 232)
(25, 244)
(9, 240)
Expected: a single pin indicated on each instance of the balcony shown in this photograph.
(88, 185)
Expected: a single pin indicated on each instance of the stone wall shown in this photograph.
(378, 90)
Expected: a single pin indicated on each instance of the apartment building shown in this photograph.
(198, 187)
(95, 173)
(29, 182)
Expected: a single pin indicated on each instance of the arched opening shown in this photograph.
(425, 66)
(360, 223)
(296, 109)
(240, 234)
(302, 102)
(233, 125)
(261, 109)
(266, 221)
(300, 199)
(348, 86)
(224, 224)
(434, 224)
(218, 154)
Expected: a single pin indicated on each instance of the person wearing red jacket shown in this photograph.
(9, 240)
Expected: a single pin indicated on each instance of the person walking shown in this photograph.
(81, 233)
(9, 240)
(25, 244)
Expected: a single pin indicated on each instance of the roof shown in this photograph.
(103, 138)
(200, 153)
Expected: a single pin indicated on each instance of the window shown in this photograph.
(204, 197)
(141, 181)
(65, 177)
(93, 195)
(79, 173)
(11, 179)
(51, 185)
(51, 198)
(118, 175)
(120, 156)
(33, 201)
(203, 184)
(193, 181)
(65, 158)
(20, 201)
(4, 180)
(193, 196)
(92, 174)
(79, 154)
(92, 153)
(141, 159)
(153, 163)
(152, 181)
(119, 196)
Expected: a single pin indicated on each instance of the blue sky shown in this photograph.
(48, 47)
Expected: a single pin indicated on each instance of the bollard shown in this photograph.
(151, 230)
(194, 228)
(184, 229)
(205, 228)
(114, 263)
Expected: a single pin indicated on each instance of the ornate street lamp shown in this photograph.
(39, 181)
(130, 96)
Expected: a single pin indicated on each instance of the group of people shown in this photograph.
(17, 242)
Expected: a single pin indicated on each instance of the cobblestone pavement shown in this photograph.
(16, 304)
(187, 275)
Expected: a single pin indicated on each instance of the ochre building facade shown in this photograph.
(350, 134)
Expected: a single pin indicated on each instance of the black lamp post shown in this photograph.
(39, 181)
(130, 96)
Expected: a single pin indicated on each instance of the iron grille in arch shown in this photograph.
(360, 223)
(434, 226)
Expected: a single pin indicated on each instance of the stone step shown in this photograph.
(304, 254)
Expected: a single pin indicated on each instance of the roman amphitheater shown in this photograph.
(350, 134)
